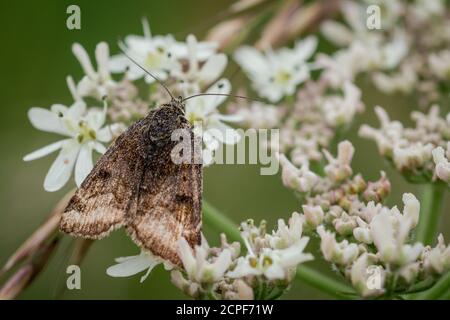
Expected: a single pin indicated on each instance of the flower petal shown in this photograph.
(305, 48)
(62, 167)
(45, 120)
(118, 63)
(213, 68)
(211, 103)
(102, 57)
(42, 152)
(132, 265)
(251, 60)
(83, 164)
(82, 56)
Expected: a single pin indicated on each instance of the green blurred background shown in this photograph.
(35, 59)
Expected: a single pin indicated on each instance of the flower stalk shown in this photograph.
(439, 290)
(432, 200)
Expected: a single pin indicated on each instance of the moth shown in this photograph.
(136, 185)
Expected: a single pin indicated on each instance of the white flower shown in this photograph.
(441, 159)
(367, 278)
(313, 215)
(338, 169)
(440, 64)
(362, 232)
(200, 73)
(341, 253)
(390, 230)
(276, 74)
(85, 133)
(411, 155)
(274, 264)
(437, 259)
(96, 84)
(199, 266)
(345, 224)
(390, 132)
(157, 54)
(209, 123)
(129, 266)
(302, 180)
(379, 52)
(402, 81)
(285, 235)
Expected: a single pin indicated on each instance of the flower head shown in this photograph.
(85, 132)
(276, 74)
(97, 84)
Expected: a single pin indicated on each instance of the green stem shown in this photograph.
(217, 220)
(431, 204)
(324, 283)
(439, 290)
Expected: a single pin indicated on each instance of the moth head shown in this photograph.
(166, 120)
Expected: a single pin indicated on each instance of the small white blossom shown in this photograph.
(390, 230)
(97, 84)
(441, 159)
(274, 264)
(337, 252)
(157, 54)
(367, 278)
(339, 168)
(437, 259)
(340, 110)
(274, 256)
(84, 131)
(440, 64)
(198, 265)
(313, 215)
(199, 73)
(302, 180)
(276, 74)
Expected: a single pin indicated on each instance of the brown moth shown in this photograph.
(136, 185)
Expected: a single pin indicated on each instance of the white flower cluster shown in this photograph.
(410, 52)
(265, 272)
(308, 118)
(368, 243)
(187, 67)
(417, 152)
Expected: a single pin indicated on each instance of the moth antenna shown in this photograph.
(222, 94)
(147, 72)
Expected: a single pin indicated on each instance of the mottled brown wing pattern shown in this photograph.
(100, 204)
(168, 205)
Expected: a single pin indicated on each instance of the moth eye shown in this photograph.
(169, 55)
(60, 114)
(220, 85)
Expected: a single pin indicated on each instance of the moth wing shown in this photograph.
(168, 206)
(100, 204)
